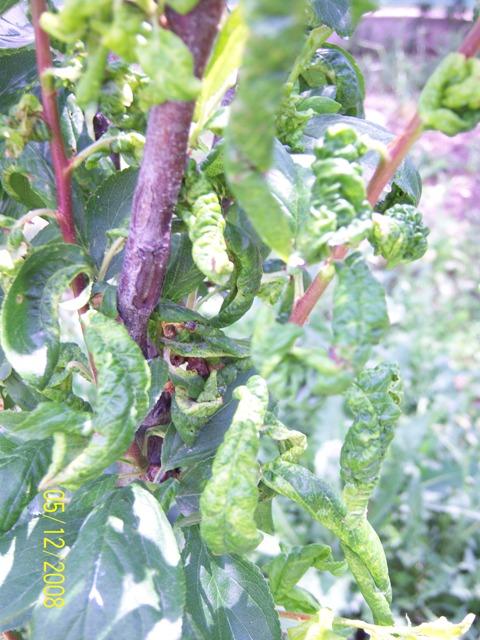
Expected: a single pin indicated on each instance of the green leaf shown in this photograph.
(182, 6)
(269, 54)
(203, 215)
(189, 416)
(227, 597)
(334, 67)
(182, 275)
(450, 101)
(123, 381)
(21, 572)
(406, 178)
(29, 179)
(168, 63)
(18, 70)
(191, 483)
(210, 346)
(360, 317)
(175, 453)
(272, 341)
(109, 208)
(230, 497)
(45, 420)
(30, 330)
(399, 235)
(286, 569)
(361, 545)
(225, 59)
(245, 281)
(124, 575)
(22, 466)
(374, 400)
(333, 13)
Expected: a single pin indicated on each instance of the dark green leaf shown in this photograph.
(21, 572)
(182, 275)
(333, 67)
(30, 330)
(18, 70)
(109, 208)
(227, 597)
(124, 578)
(245, 281)
(22, 466)
(333, 13)
(29, 179)
(360, 316)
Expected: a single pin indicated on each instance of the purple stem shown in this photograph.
(160, 179)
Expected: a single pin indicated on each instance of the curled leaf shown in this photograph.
(30, 330)
(374, 400)
(246, 277)
(206, 227)
(230, 498)
(363, 549)
(123, 380)
(399, 235)
(450, 101)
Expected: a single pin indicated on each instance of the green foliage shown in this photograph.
(399, 235)
(100, 560)
(174, 458)
(230, 498)
(30, 329)
(450, 101)
(359, 311)
(374, 400)
(233, 599)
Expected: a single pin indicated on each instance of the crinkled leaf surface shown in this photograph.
(406, 178)
(30, 330)
(227, 597)
(229, 500)
(360, 316)
(175, 453)
(123, 575)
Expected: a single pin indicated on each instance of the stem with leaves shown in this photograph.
(396, 153)
(161, 173)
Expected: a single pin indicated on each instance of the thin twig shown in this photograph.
(63, 182)
(161, 173)
(51, 115)
(397, 151)
(294, 615)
